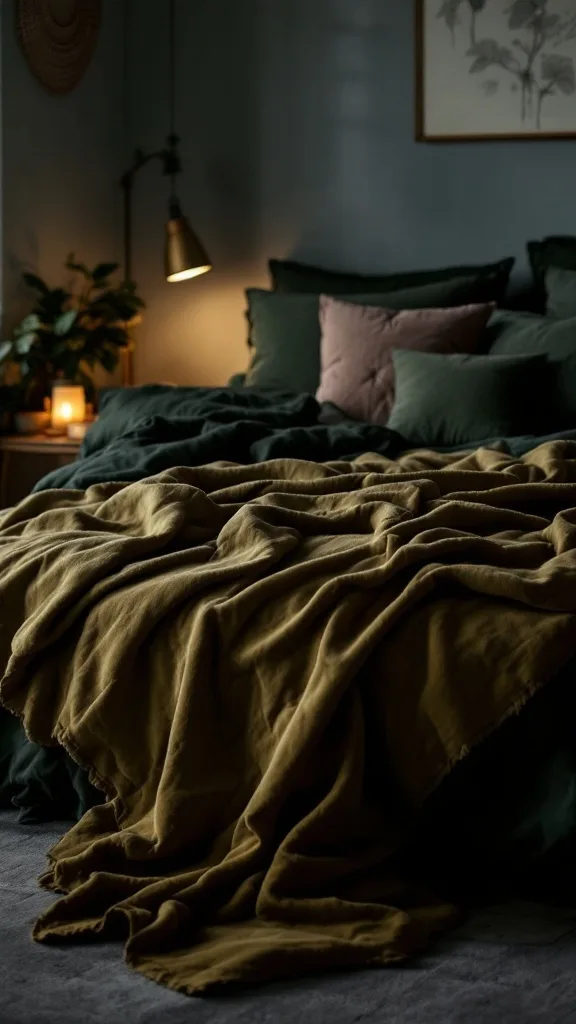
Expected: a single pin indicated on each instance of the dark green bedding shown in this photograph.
(510, 811)
(165, 427)
(142, 431)
(44, 783)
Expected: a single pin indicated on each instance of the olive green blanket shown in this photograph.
(267, 668)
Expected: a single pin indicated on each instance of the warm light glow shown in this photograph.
(68, 405)
(185, 275)
(77, 431)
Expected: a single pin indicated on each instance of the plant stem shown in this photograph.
(473, 28)
(542, 93)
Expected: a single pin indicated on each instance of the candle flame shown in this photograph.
(66, 411)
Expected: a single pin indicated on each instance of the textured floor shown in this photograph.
(510, 965)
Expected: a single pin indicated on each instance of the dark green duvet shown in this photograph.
(510, 811)
(142, 431)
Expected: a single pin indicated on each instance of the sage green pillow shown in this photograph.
(560, 292)
(447, 400)
(488, 281)
(285, 329)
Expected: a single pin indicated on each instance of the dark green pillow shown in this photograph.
(285, 329)
(120, 409)
(513, 334)
(448, 400)
(489, 281)
(553, 251)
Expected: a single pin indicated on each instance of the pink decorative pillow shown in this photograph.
(357, 372)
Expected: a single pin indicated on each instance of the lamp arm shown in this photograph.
(171, 166)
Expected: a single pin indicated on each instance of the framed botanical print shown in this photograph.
(495, 69)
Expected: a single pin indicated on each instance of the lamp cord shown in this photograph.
(172, 45)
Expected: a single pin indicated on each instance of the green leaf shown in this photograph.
(137, 302)
(77, 268)
(24, 343)
(559, 71)
(33, 281)
(109, 360)
(65, 322)
(5, 350)
(449, 11)
(58, 349)
(29, 323)
(130, 287)
(112, 307)
(549, 22)
(521, 13)
(487, 52)
(51, 305)
(480, 64)
(114, 336)
(103, 270)
(69, 364)
(107, 335)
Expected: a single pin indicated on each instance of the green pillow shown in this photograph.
(285, 329)
(513, 334)
(489, 281)
(120, 409)
(560, 292)
(554, 251)
(448, 400)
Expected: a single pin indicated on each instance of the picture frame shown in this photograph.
(495, 69)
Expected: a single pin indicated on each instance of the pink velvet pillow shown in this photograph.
(357, 373)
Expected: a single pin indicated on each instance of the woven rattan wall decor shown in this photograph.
(58, 39)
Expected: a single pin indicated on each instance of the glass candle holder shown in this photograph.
(68, 405)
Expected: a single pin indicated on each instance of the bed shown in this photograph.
(249, 450)
(305, 688)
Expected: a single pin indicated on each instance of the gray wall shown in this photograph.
(298, 128)
(194, 331)
(61, 160)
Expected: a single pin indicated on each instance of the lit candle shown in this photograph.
(68, 405)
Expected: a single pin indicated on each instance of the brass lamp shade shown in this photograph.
(185, 255)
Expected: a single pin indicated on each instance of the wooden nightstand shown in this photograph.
(26, 458)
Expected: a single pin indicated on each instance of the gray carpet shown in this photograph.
(512, 964)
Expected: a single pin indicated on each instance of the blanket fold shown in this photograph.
(267, 669)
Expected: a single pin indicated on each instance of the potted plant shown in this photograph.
(69, 333)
